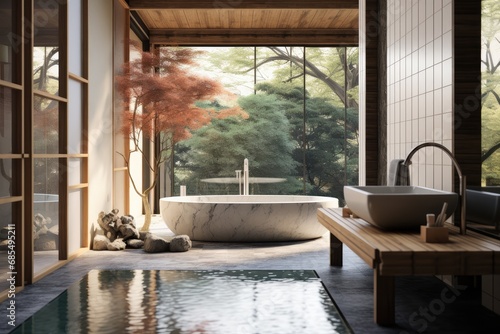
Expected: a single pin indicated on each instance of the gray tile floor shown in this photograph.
(423, 304)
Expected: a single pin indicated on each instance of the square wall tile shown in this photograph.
(438, 157)
(447, 45)
(429, 176)
(402, 68)
(414, 131)
(397, 51)
(438, 177)
(446, 160)
(429, 54)
(429, 79)
(438, 5)
(402, 109)
(408, 21)
(421, 59)
(414, 108)
(408, 131)
(421, 12)
(397, 27)
(408, 108)
(421, 82)
(429, 30)
(397, 68)
(402, 47)
(414, 39)
(438, 77)
(421, 175)
(447, 126)
(447, 99)
(438, 23)
(438, 98)
(421, 106)
(438, 130)
(414, 62)
(438, 49)
(429, 129)
(429, 104)
(447, 178)
(447, 72)
(414, 16)
(397, 133)
(429, 8)
(421, 35)
(408, 70)
(421, 130)
(447, 17)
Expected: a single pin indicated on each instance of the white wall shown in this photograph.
(100, 108)
(420, 87)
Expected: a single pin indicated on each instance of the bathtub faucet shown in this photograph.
(462, 178)
(245, 177)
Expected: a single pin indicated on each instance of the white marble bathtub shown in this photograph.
(237, 218)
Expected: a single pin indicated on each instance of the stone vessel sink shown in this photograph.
(398, 207)
(483, 205)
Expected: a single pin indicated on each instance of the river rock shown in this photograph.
(143, 235)
(128, 231)
(100, 242)
(135, 243)
(155, 244)
(180, 243)
(116, 245)
(127, 219)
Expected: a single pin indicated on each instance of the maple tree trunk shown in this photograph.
(147, 212)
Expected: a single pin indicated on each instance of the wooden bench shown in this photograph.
(392, 254)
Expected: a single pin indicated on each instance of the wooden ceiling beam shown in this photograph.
(316, 37)
(242, 4)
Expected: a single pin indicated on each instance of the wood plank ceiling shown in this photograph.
(249, 22)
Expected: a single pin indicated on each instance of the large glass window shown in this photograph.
(490, 93)
(301, 131)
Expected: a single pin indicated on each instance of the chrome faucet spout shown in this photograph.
(245, 177)
(462, 178)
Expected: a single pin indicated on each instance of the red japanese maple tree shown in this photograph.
(160, 95)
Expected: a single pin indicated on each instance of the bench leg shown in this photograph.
(383, 298)
(335, 251)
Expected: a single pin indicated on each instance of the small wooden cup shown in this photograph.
(434, 234)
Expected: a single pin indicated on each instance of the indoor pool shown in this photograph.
(195, 302)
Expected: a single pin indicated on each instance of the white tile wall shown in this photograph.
(420, 97)
(420, 87)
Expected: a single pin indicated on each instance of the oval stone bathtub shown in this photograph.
(251, 218)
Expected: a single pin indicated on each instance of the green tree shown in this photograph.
(490, 89)
(326, 158)
(328, 65)
(218, 149)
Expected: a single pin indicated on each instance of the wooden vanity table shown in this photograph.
(400, 253)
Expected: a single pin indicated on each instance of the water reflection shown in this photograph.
(192, 302)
